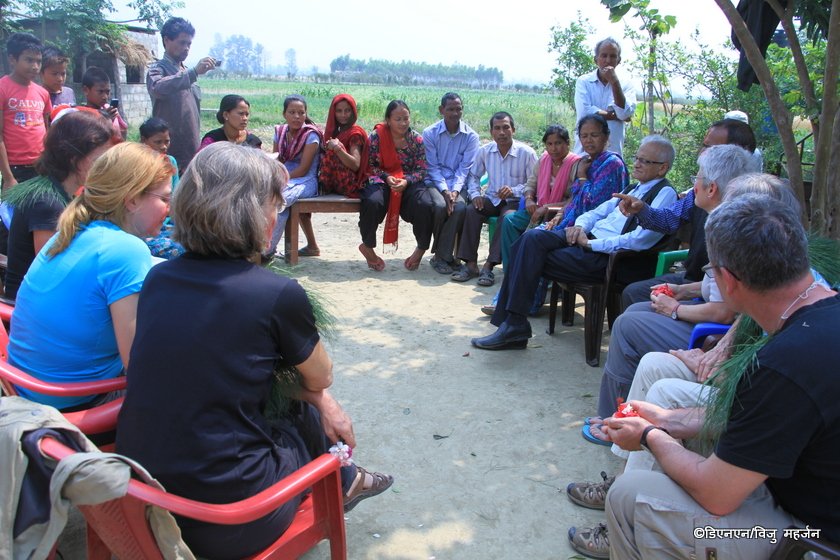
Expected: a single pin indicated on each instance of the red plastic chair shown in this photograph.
(119, 527)
(97, 420)
(6, 311)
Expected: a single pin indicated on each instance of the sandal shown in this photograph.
(307, 252)
(358, 492)
(592, 420)
(486, 278)
(488, 309)
(463, 274)
(586, 432)
(440, 265)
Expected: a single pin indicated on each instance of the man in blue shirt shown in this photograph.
(451, 146)
(581, 252)
(683, 211)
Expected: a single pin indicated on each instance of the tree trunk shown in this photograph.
(824, 195)
(649, 95)
(781, 116)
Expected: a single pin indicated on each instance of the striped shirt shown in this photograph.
(512, 170)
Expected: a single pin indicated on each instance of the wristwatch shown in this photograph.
(674, 315)
(649, 429)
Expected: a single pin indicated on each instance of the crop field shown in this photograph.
(532, 112)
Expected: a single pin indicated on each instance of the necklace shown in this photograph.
(801, 297)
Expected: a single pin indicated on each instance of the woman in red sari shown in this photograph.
(345, 160)
(395, 187)
(344, 165)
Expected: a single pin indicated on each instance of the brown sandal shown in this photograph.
(358, 492)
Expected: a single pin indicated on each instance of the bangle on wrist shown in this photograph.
(648, 430)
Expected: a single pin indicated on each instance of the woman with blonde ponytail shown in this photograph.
(77, 306)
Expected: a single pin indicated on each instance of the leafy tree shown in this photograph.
(792, 80)
(240, 54)
(820, 21)
(291, 63)
(655, 25)
(574, 58)
(85, 28)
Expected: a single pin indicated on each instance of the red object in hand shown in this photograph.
(664, 289)
(624, 410)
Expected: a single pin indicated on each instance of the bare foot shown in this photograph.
(413, 261)
(374, 261)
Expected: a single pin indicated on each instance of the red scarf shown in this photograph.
(390, 164)
(289, 149)
(346, 137)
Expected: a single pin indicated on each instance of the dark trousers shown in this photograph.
(416, 208)
(447, 227)
(539, 253)
(471, 232)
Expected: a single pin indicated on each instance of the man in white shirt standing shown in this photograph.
(602, 92)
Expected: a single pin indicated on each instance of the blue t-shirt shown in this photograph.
(62, 329)
(311, 177)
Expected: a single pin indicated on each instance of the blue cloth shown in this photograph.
(162, 245)
(62, 329)
(449, 158)
(310, 180)
(668, 220)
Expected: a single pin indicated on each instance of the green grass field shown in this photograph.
(532, 112)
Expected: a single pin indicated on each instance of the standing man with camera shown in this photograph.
(176, 97)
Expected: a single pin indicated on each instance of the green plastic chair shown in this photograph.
(667, 259)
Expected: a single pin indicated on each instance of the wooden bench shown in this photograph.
(328, 203)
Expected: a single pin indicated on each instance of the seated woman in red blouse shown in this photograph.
(395, 188)
(344, 163)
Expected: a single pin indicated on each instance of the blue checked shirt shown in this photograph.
(667, 220)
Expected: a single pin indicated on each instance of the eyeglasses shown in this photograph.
(709, 269)
(166, 198)
(644, 161)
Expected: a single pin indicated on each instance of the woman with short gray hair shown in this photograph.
(213, 328)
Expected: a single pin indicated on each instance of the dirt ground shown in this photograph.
(482, 444)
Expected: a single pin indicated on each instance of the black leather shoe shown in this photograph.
(505, 338)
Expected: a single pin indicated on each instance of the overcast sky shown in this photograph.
(511, 35)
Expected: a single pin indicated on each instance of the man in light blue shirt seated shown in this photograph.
(451, 146)
(508, 164)
(581, 252)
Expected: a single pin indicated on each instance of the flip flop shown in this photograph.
(307, 252)
(486, 278)
(587, 435)
(488, 309)
(440, 266)
(589, 420)
(463, 274)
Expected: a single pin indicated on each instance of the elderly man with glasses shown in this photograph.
(581, 252)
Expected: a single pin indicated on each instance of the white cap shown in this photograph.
(737, 116)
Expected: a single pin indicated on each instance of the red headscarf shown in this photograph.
(390, 164)
(347, 136)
